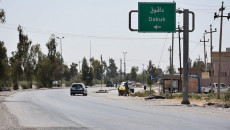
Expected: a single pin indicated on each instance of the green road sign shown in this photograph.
(156, 17)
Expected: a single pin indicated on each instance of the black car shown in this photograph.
(78, 88)
(109, 84)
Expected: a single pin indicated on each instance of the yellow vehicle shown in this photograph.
(121, 89)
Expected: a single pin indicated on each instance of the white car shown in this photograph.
(223, 88)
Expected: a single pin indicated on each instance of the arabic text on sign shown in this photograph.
(156, 10)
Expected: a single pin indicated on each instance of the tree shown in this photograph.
(151, 68)
(87, 73)
(4, 66)
(198, 63)
(112, 69)
(31, 63)
(44, 72)
(73, 69)
(51, 45)
(19, 58)
(97, 69)
(2, 16)
(168, 69)
(49, 66)
(66, 73)
(133, 73)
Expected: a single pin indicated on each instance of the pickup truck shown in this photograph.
(223, 88)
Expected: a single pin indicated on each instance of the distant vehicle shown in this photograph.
(56, 83)
(121, 88)
(78, 88)
(131, 86)
(223, 88)
(109, 84)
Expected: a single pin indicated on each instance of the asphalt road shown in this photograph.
(56, 109)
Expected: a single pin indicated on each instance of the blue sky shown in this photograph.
(107, 22)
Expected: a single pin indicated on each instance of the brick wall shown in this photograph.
(193, 85)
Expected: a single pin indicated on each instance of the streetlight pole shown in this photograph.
(61, 56)
(124, 62)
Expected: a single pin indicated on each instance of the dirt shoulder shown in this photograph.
(197, 107)
(7, 120)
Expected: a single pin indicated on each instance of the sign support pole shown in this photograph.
(186, 56)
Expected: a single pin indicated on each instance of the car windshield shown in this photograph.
(77, 86)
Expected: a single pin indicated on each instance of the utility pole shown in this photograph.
(180, 83)
(211, 47)
(220, 42)
(61, 57)
(120, 69)
(101, 73)
(124, 63)
(170, 59)
(205, 54)
(90, 55)
(143, 74)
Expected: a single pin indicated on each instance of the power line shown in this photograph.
(81, 35)
(163, 49)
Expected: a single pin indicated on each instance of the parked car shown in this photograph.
(223, 88)
(78, 88)
(109, 84)
(56, 83)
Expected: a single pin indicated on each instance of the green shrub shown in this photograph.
(39, 85)
(227, 95)
(178, 95)
(24, 84)
(210, 96)
(75, 79)
(166, 95)
(194, 96)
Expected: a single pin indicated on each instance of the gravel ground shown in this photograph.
(195, 107)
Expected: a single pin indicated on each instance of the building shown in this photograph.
(224, 67)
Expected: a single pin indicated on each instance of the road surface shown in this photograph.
(56, 109)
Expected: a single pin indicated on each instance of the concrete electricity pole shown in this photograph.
(143, 77)
(120, 69)
(61, 56)
(101, 73)
(220, 42)
(180, 83)
(205, 54)
(170, 70)
(90, 55)
(211, 47)
(124, 63)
